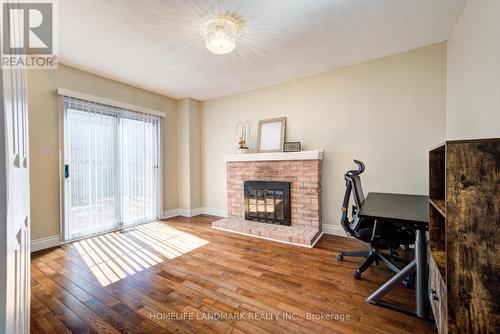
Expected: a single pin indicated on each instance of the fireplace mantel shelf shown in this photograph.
(276, 156)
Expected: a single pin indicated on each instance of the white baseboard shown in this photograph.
(215, 212)
(44, 243)
(334, 230)
(194, 212)
(189, 212)
(170, 213)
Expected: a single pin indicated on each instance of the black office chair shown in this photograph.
(381, 235)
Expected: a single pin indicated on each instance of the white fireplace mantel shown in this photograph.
(276, 156)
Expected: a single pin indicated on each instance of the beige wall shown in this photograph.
(44, 137)
(183, 153)
(386, 112)
(474, 72)
(189, 142)
(195, 153)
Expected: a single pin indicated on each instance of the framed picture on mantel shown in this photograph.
(271, 135)
(292, 146)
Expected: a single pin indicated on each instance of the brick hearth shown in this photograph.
(304, 176)
(300, 235)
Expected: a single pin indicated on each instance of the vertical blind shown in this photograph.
(111, 167)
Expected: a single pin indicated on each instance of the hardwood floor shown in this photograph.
(181, 276)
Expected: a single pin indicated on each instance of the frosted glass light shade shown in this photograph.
(220, 35)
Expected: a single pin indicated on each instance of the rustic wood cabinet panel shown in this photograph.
(473, 230)
(464, 235)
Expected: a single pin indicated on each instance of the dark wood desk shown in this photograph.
(410, 211)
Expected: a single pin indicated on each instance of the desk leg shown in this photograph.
(421, 293)
(395, 280)
(419, 264)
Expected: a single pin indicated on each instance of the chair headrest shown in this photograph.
(361, 168)
(353, 178)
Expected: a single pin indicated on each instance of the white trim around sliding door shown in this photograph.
(161, 130)
(109, 102)
(62, 188)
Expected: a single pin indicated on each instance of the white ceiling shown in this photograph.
(157, 45)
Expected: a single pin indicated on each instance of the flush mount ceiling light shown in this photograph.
(220, 34)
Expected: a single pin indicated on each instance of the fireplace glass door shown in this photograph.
(267, 202)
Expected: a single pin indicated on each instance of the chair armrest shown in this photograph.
(355, 223)
(377, 228)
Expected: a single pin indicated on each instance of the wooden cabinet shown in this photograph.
(464, 233)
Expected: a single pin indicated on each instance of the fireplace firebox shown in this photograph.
(268, 202)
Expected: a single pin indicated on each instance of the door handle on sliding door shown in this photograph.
(66, 171)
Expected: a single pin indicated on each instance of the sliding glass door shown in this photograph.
(139, 170)
(111, 174)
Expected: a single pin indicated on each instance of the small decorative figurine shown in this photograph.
(242, 129)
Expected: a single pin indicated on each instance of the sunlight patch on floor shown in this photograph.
(114, 256)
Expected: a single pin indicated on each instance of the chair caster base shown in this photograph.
(408, 283)
(340, 257)
(357, 275)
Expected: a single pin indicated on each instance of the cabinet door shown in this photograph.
(437, 297)
(14, 197)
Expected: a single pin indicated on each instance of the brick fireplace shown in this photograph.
(302, 170)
